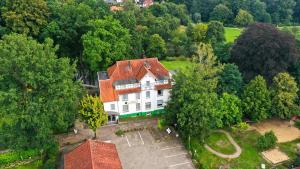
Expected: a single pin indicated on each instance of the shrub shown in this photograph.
(240, 127)
(297, 124)
(267, 141)
(119, 132)
(52, 152)
(161, 123)
(14, 156)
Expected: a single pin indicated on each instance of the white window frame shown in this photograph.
(160, 105)
(148, 94)
(124, 109)
(112, 106)
(138, 106)
(148, 105)
(161, 92)
(125, 98)
(137, 96)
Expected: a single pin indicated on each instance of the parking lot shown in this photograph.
(139, 150)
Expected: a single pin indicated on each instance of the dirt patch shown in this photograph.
(275, 156)
(282, 129)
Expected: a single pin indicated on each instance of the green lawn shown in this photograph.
(219, 142)
(250, 157)
(176, 65)
(289, 148)
(33, 165)
(232, 33)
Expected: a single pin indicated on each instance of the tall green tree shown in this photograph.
(197, 32)
(230, 80)
(243, 18)
(259, 11)
(221, 13)
(24, 16)
(284, 91)
(265, 50)
(105, 43)
(92, 113)
(156, 47)
(179, 42)
(256, 99)
(193, 100)
(281, 11)
(37, 92)
(230, 109)
(215, 32)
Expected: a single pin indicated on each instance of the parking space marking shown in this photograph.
(175, 155)
(174, 165)
(168, 148)
(128, 141)
(141, 138)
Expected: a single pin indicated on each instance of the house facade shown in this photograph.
(134, 88)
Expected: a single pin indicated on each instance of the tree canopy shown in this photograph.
(265, 50)
(37, 91)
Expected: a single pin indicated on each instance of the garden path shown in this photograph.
(236, 146)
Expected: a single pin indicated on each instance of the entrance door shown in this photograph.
(112, 119)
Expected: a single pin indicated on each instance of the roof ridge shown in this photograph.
(89, 145)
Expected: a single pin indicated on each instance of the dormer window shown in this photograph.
(147, 83)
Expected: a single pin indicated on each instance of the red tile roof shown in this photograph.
(129, 70)
(163, 86)
(93, 155)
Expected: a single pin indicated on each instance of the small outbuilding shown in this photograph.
(93, 154)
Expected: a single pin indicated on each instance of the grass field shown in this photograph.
(176, 65)
(33, 165)
(232, 33)
(219, 142)
(250, 157)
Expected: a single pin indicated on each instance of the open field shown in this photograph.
(232, 33)
(176, 65)
(219, 142)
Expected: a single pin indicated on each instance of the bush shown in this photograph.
(240, 127)
(267, 141)
(297, 124)
(52, 152)
(119, 132)
(161, 123)
(14, 156)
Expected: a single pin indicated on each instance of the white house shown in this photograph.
(134, 88)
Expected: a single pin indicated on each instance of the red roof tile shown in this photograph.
(127, 70)
(163, 86)
(93, 155)
(132, 90)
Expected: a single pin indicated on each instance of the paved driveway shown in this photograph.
(139, 150)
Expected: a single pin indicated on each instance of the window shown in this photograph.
(148, 105)
(125, 97)
(160, 103)
(160, 92)
(138, 106)
(147, 83)
(137, 95)
(112, 107)
(125, 108)
(148, 94)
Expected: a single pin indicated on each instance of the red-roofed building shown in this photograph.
(93, 155)
(134, 87)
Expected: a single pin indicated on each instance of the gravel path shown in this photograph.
(236, 146)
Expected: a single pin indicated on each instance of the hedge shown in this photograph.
(14, 156)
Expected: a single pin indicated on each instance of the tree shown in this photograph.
(215, 32)
(92, 112)
(296, 14)
(192, 104)
(25, 16)
(197, 32)
(104, 43)
(243, 18)
(263, 49)
(156, 47)
(179, 42)
(69, 21)
(230, 80)
(230, 109)
(256, 99)
(221, 13)
(37, 92)
(284, 91)
(259, 11)
(281, 11)
(222, 51)
(204, 55)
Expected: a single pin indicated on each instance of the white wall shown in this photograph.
(143, 99)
